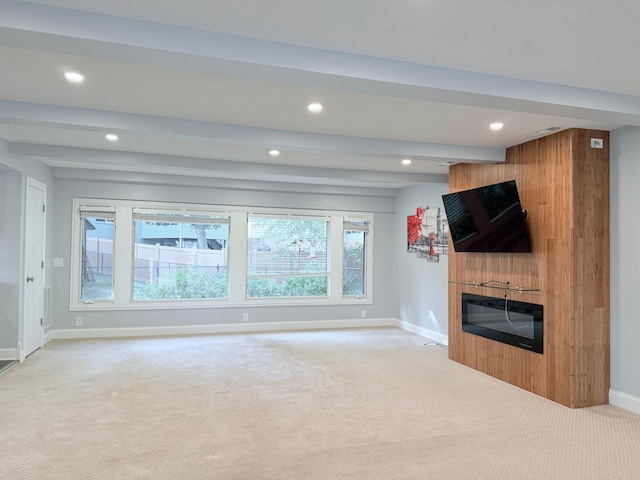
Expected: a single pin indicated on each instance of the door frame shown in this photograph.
(31, 182)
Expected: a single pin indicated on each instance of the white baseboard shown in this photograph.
(624, 400)
(47, 337)
(423, 332)
(223, 328)
(8, 354)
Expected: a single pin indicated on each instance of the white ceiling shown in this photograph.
(208, 87)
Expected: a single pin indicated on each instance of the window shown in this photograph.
(96, 274)
(287, 257)
(179, 255)
(140, 255)
(354, 257)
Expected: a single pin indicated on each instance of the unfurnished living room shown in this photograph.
(319, 240)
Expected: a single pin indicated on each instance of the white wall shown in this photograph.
(13, 173)
(421, 286)
(625, 267)
(218, 192)
(10, 192)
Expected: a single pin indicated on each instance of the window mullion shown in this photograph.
(238, 257)
(122, 268)
(368, 263)
(76, 256)
(335, 258)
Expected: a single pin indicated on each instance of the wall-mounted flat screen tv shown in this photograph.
(487, 219)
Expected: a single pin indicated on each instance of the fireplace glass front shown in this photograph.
(515, 323)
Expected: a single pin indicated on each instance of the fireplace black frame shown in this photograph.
(533, 310)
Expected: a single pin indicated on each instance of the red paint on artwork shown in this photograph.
(414, 225)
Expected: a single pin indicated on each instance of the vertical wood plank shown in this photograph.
(564, 186)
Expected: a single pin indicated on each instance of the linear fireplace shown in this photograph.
(507, 321)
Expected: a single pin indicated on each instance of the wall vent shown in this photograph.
(546, 131)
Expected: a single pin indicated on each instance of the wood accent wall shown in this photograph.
(564, 186)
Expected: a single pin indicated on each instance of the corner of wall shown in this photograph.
(421, 286)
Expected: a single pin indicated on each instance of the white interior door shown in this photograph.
(33, 267)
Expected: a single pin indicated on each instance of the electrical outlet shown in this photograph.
(79, 321)
(245, 317)
(363, 314)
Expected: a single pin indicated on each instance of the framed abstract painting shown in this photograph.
(428, 233)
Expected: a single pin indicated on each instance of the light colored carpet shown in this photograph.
(347, 404)
(6, 364)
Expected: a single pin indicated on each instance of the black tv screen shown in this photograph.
(487, 219)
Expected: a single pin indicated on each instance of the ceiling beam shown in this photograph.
(25, 25)
(84, 158)
(266, 138)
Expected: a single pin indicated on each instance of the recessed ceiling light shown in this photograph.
(74, 77)
(274, 153)
(406, 161)
(496, 126)
(111, 137)
(315, 107)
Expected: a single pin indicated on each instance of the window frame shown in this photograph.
(178, 217)
(361, 224)
(78, 258)
(236, 255)
(326, 273)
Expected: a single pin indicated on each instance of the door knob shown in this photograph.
(30, 279)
